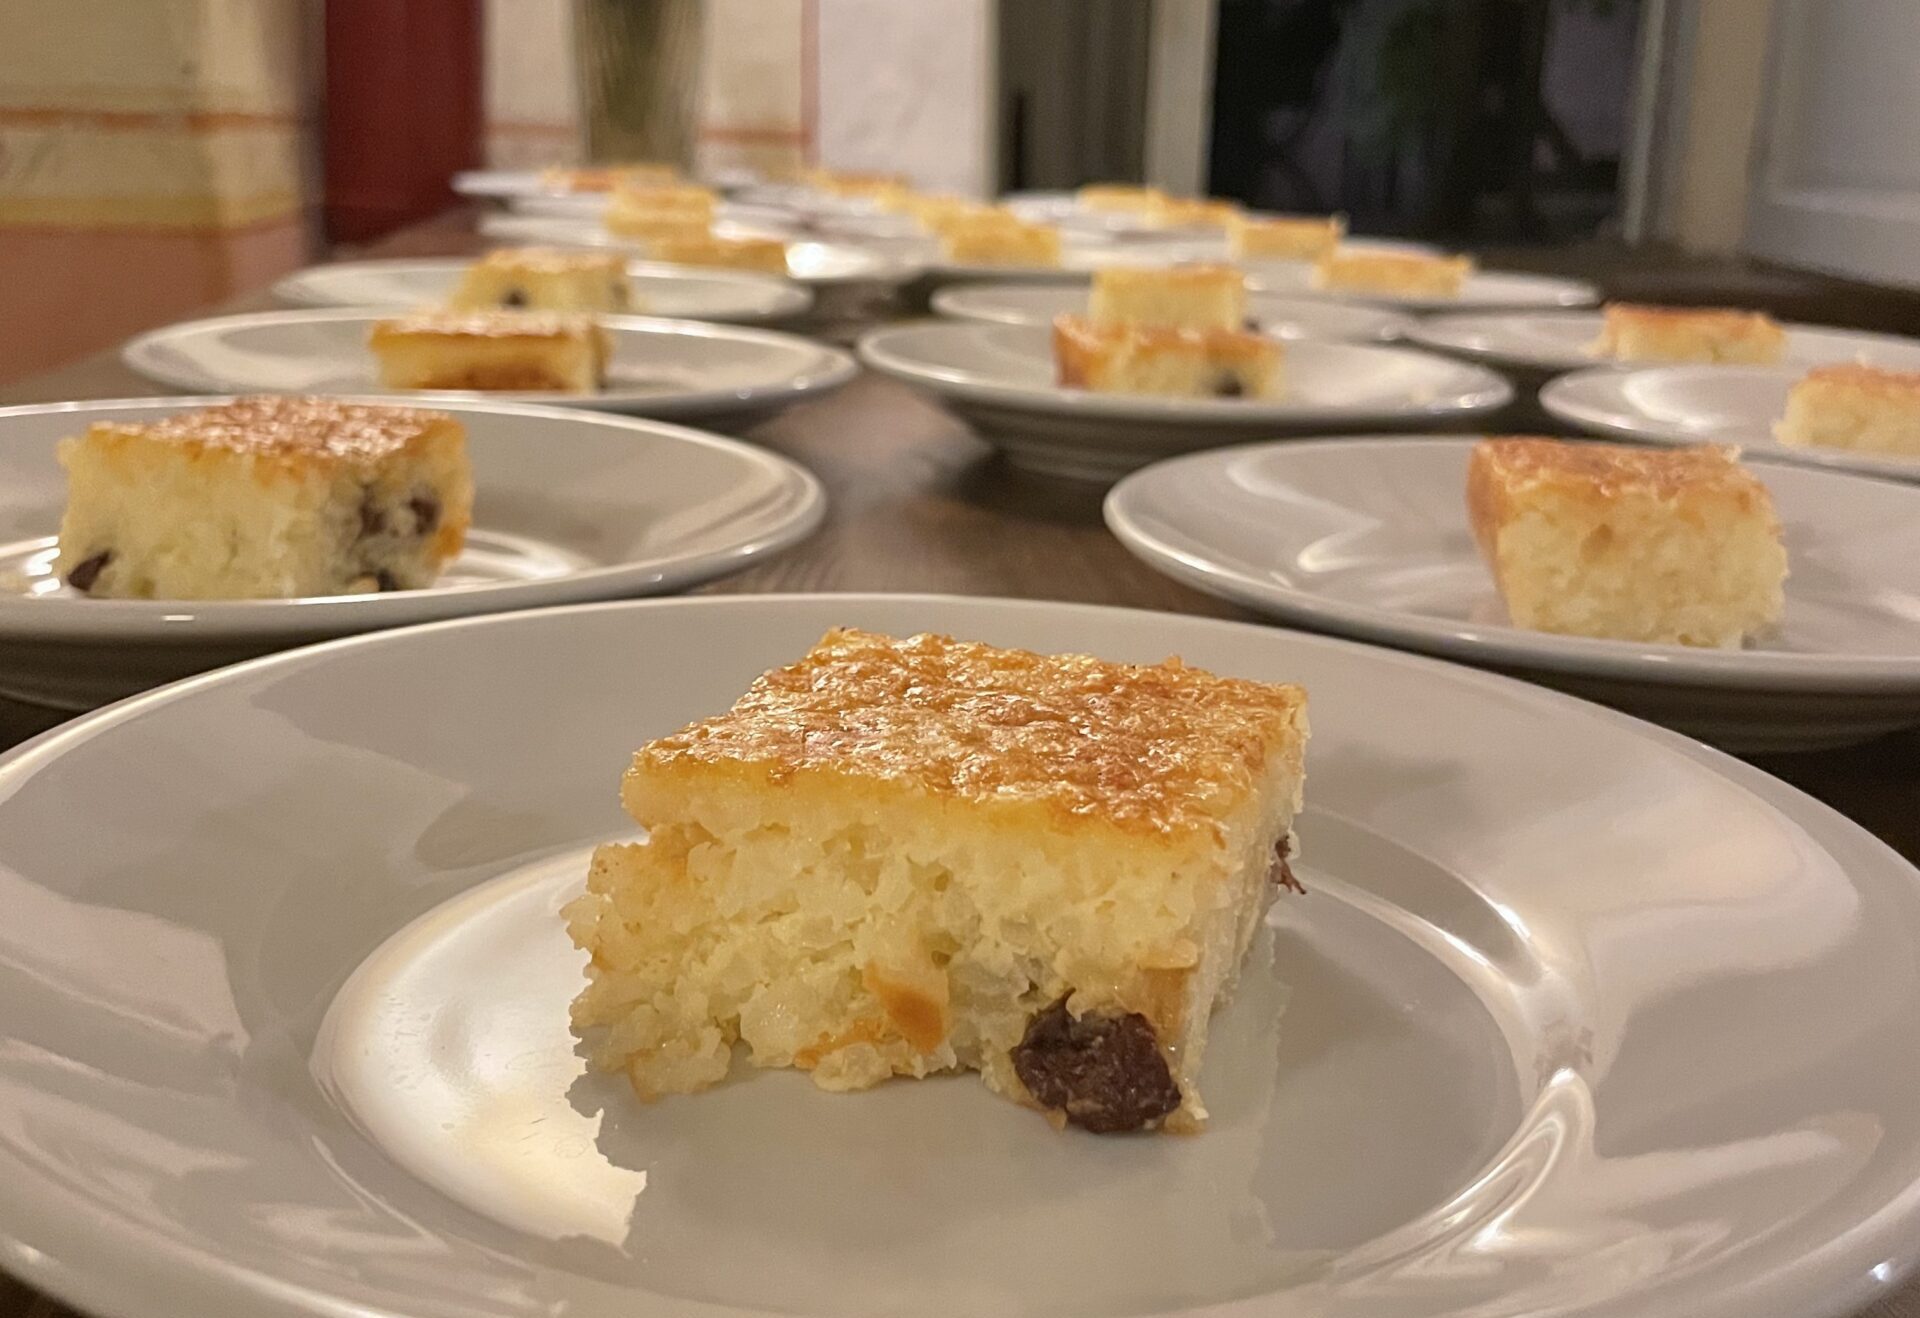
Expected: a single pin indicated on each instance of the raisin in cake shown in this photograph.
(899, 857)
(1155, 359)
(263, 498)
(545, 279)
(1634, 333)
(1673, 546)
(543, 352)
(1856, 407)
(1392, 274)
(1284, 237)
(1199, 297)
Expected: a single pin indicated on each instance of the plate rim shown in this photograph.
(1561, 399)
(790, 298)
(196, 622)
(875, 349)
(1394, 326)
(834, 366)
(1845, 1271)
(1672, 666)
(1576, 294)
(1428, 331)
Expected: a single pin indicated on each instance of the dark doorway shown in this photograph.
(1456, 119)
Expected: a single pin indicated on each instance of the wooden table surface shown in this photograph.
(919, 504)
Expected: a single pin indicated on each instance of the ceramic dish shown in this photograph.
(673, 292)
(1553, 342)
(1001, 379)
(660, 368)
(1282, 317)
(1700, 405)
(1483, 289)
(815, 263)
(1581, 1018)
(569, 506)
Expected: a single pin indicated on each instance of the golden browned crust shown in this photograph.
(1391, 271)
(604, 178)
(764, 254)
(1195, 275)
(311, 428)
(1162, 749)
(551, 261)
(1117, 197)
(1080, 347)
(496, 326)
(1171, 211)
(1677, 328)
(999, 238)
(1870, 382)
(1295, 236)
(1502, 471)
(664, 197)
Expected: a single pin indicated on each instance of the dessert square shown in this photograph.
(1284, 237)
(605, 178)
(1633, 333)
(878, 188)
(997, 238)
(1174, 363)
(1182, 296)
(1116, 197)
(534, 351)
(687, 198)
(264, 498)
(907, 856)
(767, 255)
(1404, 274)
(647, 227)
(935, 213)
(544, 279)
(1197, 212)
(1854, 407)
(650, 212)
(1669, 546)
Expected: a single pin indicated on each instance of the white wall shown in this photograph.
(909, 87)
(532, 96)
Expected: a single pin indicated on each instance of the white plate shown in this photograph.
(1557, 341)
(1065, 210)
(513, 184)
(662, 368)
(569, 506)
(808, 262)
(669, 291)
(1369, 538)
(1001, 378)
(1282, 317)
(1584, 1018)
(1699, 405)
(1483, 289)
